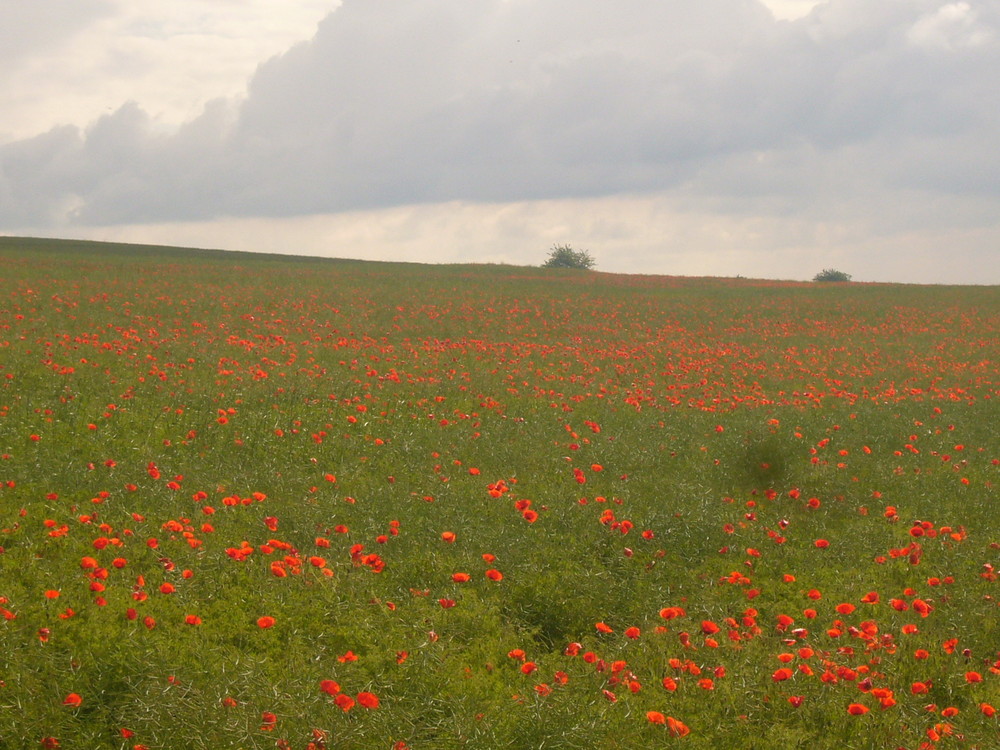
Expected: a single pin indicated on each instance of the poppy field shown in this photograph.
(272, 502)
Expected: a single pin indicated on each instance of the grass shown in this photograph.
(295, 438)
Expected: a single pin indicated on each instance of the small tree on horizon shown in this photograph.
(830, 274)
(564, 256)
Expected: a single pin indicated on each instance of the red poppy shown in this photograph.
(368, 700)
(330, 687)
(73, 699)
(265, 622)
(677, 728)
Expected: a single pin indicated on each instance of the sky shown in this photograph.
(765, 139)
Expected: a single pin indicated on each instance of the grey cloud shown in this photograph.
(28, 27)
(437, 100)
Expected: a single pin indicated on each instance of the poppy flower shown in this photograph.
(655, 717)
(669, 613)
(494, 575)
(265, 622)
(330, 687)
(677, 728)
(857, 709)
(368, 700)
(344, 702)
(73, 700)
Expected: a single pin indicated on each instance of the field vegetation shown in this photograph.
(258, 501)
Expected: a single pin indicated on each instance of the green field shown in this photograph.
(255, 501)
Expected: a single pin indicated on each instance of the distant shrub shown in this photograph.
(829, 274)
(564, 256)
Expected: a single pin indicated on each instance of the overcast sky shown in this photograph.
(710, 137)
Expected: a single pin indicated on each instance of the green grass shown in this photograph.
(702, 416)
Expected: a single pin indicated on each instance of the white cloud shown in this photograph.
(69, 61)
(950, 27)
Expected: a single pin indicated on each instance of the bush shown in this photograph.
(564, 256)
(829, 274)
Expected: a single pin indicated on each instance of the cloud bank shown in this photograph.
(876, 112)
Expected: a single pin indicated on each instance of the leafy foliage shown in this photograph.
(564, 256)
(830, 274)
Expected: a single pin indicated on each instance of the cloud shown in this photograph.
(71, 61)
(28, 28)
(715, 103)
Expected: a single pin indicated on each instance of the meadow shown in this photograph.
(257, 501)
